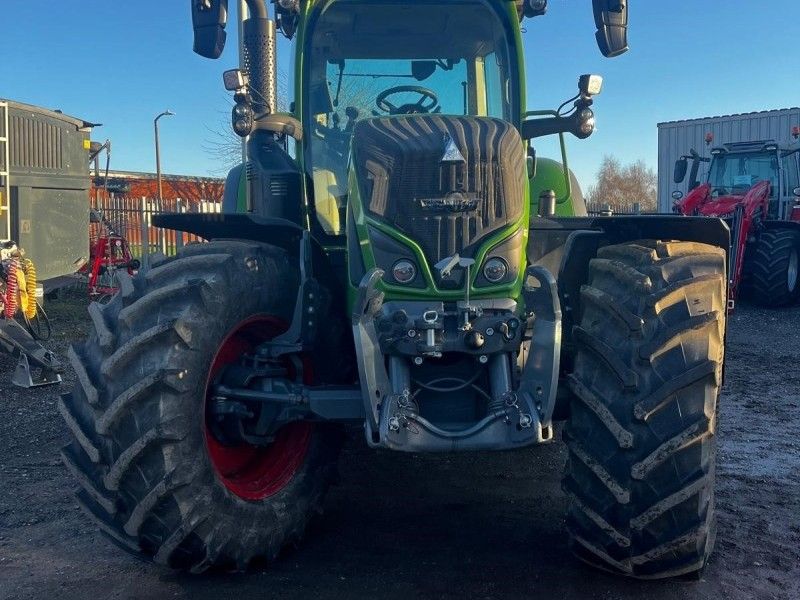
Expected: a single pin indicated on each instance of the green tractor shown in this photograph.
(378, 263)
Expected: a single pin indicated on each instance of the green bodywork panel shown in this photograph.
(396, 292)
(550, 175)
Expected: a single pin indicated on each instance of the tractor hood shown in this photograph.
(721, 206)
(435, 186)
(701, 202)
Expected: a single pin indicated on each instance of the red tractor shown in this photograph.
(755, 187)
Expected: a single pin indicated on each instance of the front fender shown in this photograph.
(213, 226)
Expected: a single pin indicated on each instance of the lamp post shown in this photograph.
(166, 113)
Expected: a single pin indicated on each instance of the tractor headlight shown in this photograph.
(242, 117)
(242, 111)
(495, 270)
(404, 271)
(587, 121)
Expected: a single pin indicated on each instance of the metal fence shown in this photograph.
(132, 218)
(608, 209)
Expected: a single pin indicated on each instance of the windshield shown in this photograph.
(375, 59)
(737, 173)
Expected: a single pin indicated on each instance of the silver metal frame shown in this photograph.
(5, 173)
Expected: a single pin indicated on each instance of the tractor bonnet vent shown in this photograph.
(446, 182)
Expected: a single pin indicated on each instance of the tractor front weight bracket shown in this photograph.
(307, 310)
(539, 381)
(375, 384)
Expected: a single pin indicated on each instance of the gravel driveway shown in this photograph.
(400, 526)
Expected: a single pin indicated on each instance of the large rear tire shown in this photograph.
(774, 268)
(641, 433)
(150, 471)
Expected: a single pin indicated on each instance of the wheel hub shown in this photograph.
(249, 471)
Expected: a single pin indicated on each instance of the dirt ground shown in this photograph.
(475, 526)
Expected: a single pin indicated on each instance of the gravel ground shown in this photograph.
(398, 526)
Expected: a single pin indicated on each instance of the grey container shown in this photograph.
(676, 138)
(49, 188)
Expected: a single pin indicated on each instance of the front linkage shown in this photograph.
(496, 333)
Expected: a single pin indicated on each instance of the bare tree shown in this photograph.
(621, 186)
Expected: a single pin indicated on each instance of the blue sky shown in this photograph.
(121, 63)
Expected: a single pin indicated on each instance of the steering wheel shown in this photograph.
(410, 108)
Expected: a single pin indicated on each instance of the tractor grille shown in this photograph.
(445, 206)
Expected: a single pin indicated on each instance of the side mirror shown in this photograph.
(209, 18)
(611, 19)
(681, 166)
(422, 69)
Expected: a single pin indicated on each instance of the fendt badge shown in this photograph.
(452, 202)
(451, 152)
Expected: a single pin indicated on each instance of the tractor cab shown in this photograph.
(368, 60)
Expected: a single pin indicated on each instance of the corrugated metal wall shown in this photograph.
(49, 155)
(676, 138)
(35, 143)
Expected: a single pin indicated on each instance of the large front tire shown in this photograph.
(641, 434)
(150, 471)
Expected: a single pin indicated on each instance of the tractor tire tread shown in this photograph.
(641, 433)
(137, 452)
(768, 265)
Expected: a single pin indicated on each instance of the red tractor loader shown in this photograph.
(755, 187)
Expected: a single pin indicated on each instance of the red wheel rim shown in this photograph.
(255, 472)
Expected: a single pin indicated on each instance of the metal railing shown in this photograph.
(609, 209)
(132, 218)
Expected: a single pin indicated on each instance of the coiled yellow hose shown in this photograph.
(27, 288)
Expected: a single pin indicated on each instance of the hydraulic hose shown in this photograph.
(28, 303)
(12, 289)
